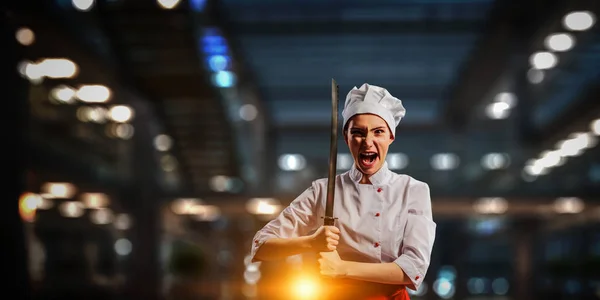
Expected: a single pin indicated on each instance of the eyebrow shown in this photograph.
(376, 128)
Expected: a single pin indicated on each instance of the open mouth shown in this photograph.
(367, 158)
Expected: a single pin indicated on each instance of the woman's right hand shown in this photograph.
(326, 238)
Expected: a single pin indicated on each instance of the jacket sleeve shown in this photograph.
(297, 219)
(419, 234)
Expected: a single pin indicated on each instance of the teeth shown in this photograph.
(369, 154)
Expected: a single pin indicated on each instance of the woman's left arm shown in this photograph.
(410, 268)
(419, 234)
(388, 273)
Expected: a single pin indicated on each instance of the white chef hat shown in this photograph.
(371, 99)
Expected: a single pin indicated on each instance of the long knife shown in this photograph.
(329, 219)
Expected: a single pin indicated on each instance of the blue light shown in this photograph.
(214, 50)
(447, 272)
(444, 288)
(218, 62)
(213, 40)
(197, 5)
(213, 43)
(224, 79)
(488, 227)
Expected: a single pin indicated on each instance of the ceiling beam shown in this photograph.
(267, 28)
(459, 207)
(404, 91)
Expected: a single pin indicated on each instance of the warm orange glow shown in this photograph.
(305, 287)
(28, 204)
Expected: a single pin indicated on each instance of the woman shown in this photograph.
(384, 233)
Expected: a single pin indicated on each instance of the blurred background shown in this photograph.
(154, 137)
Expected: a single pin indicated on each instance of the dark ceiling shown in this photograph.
(445, 59)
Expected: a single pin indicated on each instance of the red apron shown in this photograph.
(345, 289)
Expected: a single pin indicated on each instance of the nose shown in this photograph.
(368, 140)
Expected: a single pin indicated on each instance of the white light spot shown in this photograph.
(535, 169)
(292, 162)
(263, 206)
(185, 206)
(248, 112)
(595, 127)
(101, 216)
(34, 72)
(22, 67)
(543, 60)
(168, 4)
(579, 20)
(62, 190)
(57, 68)
(560, 42)
(252, 277)
(93, 93)
(509, 98)
(491, 206)
(443, 288)
(344, 161)
(71, 209)
(163, 142)
(123, 247)
(207, 213)
(83, 5)
(63, 94)
(568, 205)
(25, 36)
(397, 161)
(95, 200)
(121, 113)
(497, 110)
(494, 161)
(444, 161)
(124, 131)
(122, 222)
(550, 159)
(219, 183)
(535, 76)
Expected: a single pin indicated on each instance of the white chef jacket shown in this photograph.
(389, 220)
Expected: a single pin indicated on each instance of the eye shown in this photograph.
(355, 132)
(379, 131)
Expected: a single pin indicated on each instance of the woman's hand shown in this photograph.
(326, 238)
(332, 265)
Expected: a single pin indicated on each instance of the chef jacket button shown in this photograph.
(417, 278)
(376, 245)
(377, 214)
(256, 242)
(379, 190)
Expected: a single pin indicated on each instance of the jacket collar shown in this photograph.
(379, 178)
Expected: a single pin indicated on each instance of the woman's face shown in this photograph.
(368, 137)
